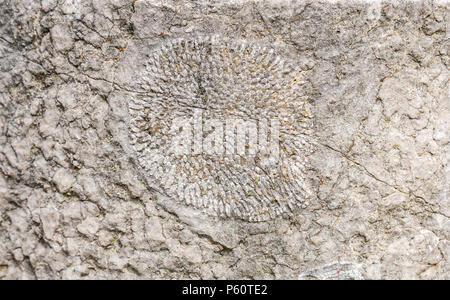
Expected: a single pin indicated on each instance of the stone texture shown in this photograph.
(75, 203)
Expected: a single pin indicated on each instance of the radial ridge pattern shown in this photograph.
(205, 81)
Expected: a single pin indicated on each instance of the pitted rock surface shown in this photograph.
(77, 200)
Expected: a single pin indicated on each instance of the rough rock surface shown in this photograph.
(74, 202)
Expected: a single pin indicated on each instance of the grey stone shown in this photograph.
(80, 199)
(64, 180)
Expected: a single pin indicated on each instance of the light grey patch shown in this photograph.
(344, 271)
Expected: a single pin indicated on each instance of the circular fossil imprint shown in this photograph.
(223, 126)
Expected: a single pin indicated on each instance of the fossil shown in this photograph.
(205, 79)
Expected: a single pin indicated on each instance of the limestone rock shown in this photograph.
(357, 187)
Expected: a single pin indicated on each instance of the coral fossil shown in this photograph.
(223, 81)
